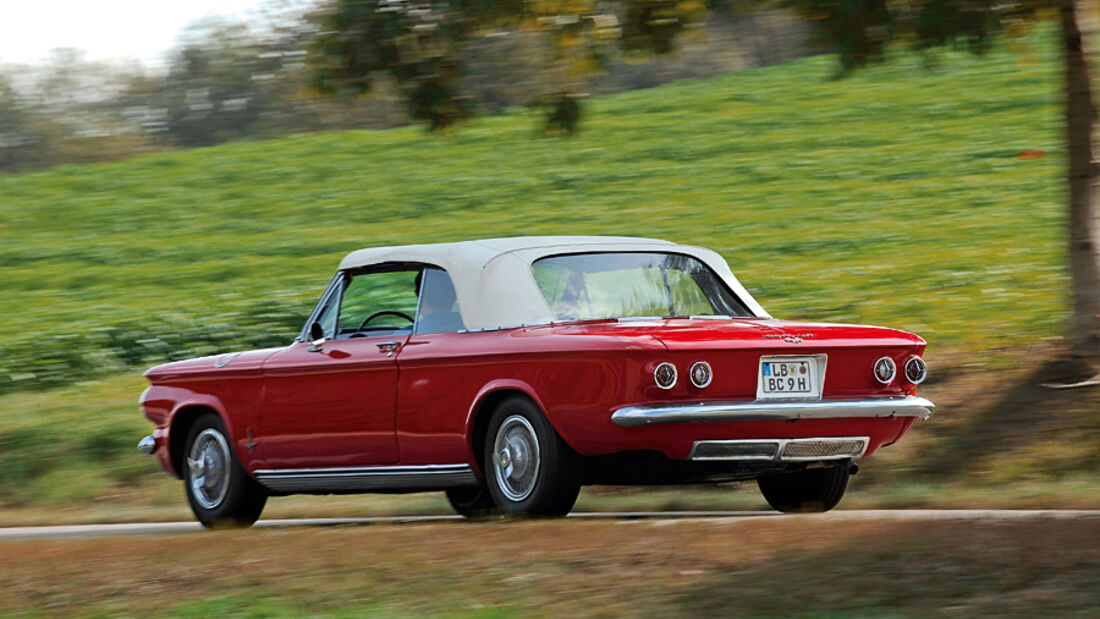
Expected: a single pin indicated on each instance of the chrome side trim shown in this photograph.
(779, 454)
(147, 445)
(909, 406)
(367, 478)
(498, 328)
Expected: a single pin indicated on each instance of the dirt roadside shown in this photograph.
(802, 565)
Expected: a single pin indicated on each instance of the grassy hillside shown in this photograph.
(895, 197)
(892, 197)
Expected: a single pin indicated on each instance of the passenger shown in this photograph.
(572, 297)
(437, 303)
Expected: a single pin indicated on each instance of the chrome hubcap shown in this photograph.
(516, 458)
(208, 468)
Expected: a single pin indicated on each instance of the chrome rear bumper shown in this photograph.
(909, 406)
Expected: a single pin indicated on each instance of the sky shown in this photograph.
(104, 29)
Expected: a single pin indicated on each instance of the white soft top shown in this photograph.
(493, 278)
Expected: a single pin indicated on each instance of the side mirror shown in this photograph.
(317, 335)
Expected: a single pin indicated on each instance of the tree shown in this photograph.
(861, 31)
(1084, 229)
(362, 37)
(66, 110)
(20, 145)
(209, 94)
(418, 45)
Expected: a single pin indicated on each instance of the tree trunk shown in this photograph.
(1084, 228)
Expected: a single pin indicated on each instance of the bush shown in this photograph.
(55, 358)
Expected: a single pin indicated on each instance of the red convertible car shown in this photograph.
(509, 372)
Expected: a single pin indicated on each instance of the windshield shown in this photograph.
(635, 284)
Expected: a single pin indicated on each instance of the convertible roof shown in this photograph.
(493, 278)
(477, 254)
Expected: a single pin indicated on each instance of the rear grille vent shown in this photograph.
(791, 450)
(735, 450)
(823, 449)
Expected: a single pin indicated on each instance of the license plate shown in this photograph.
(790, 378)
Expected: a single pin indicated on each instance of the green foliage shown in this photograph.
(860, 31)
(211, 93)
(20, 144)
(654, 25)
(79, 351)
(72, 449)
(971, 23)
(419, 44)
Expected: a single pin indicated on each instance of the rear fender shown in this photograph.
(478, 413)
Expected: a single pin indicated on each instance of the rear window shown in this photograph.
(632, 284)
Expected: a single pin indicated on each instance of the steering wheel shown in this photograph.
(363, 324)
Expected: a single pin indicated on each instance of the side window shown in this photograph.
(377, 304)
(438, 303)
(327, 318)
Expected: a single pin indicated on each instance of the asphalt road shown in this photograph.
(167, 528)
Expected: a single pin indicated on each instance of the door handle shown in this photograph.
(388, 347)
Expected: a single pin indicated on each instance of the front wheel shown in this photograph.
(220, 492)
(814, 490)
(529, 469)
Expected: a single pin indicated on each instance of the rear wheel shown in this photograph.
(472, 501)
(220, 492)
(529, 470)
(813, 490)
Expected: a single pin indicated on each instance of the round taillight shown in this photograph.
(665, 375)
(916, 370)
(885, 370)
(700, 374)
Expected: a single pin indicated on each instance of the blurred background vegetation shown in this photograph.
(252, 78)
(926, 193)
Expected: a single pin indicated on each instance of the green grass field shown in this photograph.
(894, 197)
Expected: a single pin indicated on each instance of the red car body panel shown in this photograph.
(334, 407)
(234, 391)
(353, 404)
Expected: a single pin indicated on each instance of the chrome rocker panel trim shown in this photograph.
(909, 406)
(367, 478)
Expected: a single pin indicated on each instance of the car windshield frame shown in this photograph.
(726, 303)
